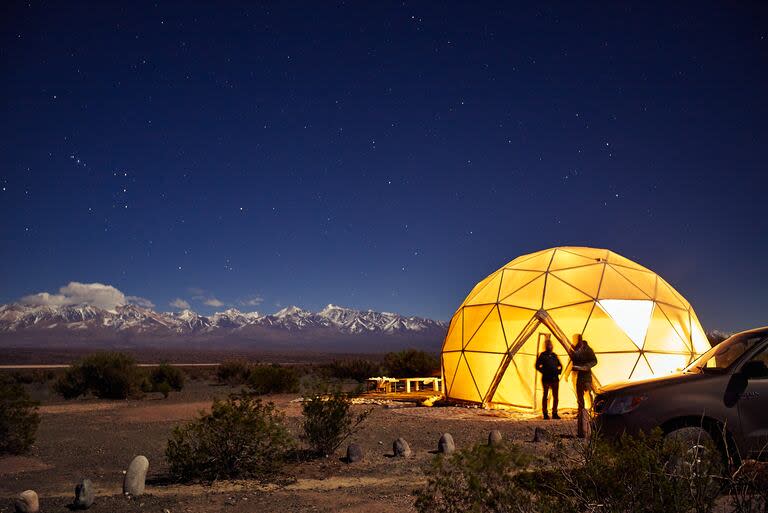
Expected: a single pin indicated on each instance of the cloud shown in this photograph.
(179, 303)
(140, 301)
(212, 301)
(252, 301)
(76, 293)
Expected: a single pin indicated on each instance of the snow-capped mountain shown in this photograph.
(28, 325)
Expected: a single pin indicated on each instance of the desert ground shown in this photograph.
(96, 439)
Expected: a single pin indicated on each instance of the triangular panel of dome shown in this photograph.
(572, 319)
(662, 337)
(586, 279)
(529, 296)
(514, 280)
(644, 280)
(642, 370)
(480, 286)
(450, 363)
(464, 384)
(665, 294)
(536, 263)
(558, 293)
(453, 341)
(615, 258)
(513, 320)
(489, 293)
(483, 367)
(632, 316)
(564, 259)
(473, 318)
(604, 335)
(490, 336)
(662, 364)
(616, 286)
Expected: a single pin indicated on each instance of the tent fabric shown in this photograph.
(638, 325)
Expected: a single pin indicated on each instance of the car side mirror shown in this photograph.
(754, 369)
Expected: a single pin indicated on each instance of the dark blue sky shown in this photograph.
(381, 156)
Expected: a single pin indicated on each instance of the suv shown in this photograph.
(720, 398)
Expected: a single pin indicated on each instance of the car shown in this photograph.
(721, 398)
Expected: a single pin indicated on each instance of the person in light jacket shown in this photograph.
(583, 359)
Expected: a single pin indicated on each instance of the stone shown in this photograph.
(84, 494)
(135, 476)
(354, 453)
(27, 502)
(446, 445)
(401, 448)
(495, 438)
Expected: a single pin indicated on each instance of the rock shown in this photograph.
(27, 502)
(84, 494)
(539, 434)
(135, 477)
(446, 445)
(495, 438)
(354, 453)
(401, 448)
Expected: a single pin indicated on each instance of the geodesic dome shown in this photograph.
(638, 325)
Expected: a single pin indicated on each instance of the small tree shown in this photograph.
(18, 419)
(273, 379)
(168, 374)
(233, 372)
(328, 421)
(105, 375)
(241, 437)
(410, 363)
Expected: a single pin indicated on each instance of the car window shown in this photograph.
(722, 356)
(759, 364)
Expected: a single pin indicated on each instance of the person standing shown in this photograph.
(583, 359)
(550, 367)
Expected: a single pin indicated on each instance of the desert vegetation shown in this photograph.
(328, 421)
(410, 363)
(18, 418)
(241, 437)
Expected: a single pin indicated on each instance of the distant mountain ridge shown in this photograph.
(332, 328)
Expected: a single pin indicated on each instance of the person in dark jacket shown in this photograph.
(583, 359)
(549, 365)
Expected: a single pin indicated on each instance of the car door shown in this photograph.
(753, 404)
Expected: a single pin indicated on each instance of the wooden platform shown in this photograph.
(406, 397)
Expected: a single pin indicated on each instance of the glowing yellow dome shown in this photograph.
(637, 324)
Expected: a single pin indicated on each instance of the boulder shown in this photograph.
(495, 438)
(446, 445)
(401, 448)
(135, 476)
(354, 453)
(27, 502)
(84, 494)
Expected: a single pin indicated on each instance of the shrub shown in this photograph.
(18, 419)
(357, 369)
(410, 363)
(233, 372)
(240, 438)
(328, 421)
(273, 379)
(105, 375)
(478, 479)
(168, 374)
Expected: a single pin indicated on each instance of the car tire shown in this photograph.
(695, 456)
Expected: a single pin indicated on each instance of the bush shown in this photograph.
(273, 379)
(18, 419)
(328, 421)
(411, 363)
(357, 369)
(168, 374)
(241, 438)
(233, 372)
(105, 375)
(479, 479)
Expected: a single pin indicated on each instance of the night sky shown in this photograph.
(380, 155)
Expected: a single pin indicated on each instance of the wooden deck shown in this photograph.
(406, 397)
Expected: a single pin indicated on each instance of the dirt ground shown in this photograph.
(97, 439)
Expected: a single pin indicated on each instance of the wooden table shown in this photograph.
(421, 381)
(385, 383)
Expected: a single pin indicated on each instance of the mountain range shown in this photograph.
(332, 328)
